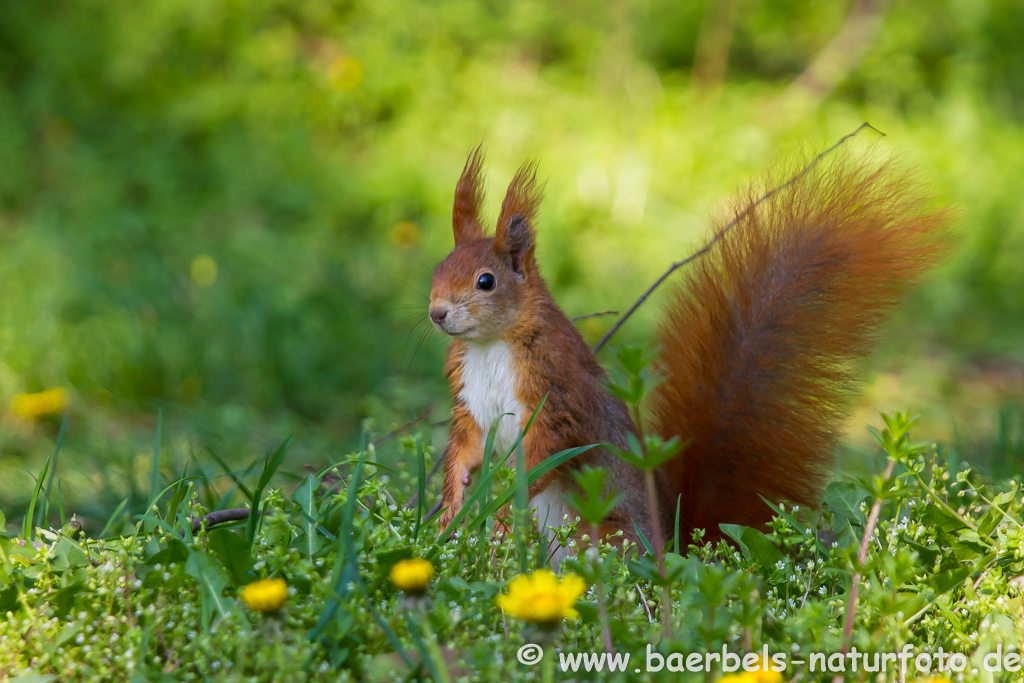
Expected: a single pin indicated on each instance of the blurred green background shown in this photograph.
(228, 211)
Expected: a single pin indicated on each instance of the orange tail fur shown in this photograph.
(759, 345)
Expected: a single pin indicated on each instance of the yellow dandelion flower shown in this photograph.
(34, 406)
(203, 271)
(741, 677)
(541, 598)
(766, 673)
(405, 234)
(411, 576)
(345, 73)
(763, 674)
(266, 595)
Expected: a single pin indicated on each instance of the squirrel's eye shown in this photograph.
(485, 281)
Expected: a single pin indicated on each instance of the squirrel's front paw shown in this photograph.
(446, 518)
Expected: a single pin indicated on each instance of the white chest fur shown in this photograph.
(489, 391)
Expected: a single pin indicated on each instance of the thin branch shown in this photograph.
(862, 556)
(721, 233)
(430, 475)
(404, 427)
(650, 615)
(219, 517)
(577, 318)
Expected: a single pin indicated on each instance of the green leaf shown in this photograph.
(62, 602)
(33, 678)
(175, 553)
(234, 553)
(67, 555)
(940, 518)
(843, 500)
(927, 555)
(754, 545)
(305, 496)
(945, 581)
(212, 580)
(590, 501)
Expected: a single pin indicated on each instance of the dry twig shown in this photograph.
(728, 226)
(577, 318)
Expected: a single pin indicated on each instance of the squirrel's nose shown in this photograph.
(438, 314)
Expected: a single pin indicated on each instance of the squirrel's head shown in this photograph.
(480, 289)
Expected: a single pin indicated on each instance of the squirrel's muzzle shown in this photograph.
(438, 314)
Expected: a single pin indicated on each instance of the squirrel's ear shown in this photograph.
(514, 236)
(468, 198)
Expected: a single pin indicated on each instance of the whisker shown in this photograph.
(423, 338)
(413, 329)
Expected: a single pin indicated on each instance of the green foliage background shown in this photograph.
(310, 148)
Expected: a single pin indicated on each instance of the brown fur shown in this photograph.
(757, 349)
(549, 355)
(759, 345)
(469, 195)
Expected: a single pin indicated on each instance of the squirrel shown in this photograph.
(757, 348)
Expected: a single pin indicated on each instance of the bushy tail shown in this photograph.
(758, 347)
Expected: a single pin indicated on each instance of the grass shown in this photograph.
(161, 603)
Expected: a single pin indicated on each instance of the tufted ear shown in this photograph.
(514, 238)
(468, 197)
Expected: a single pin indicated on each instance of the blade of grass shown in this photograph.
(342, 563)
(222, 502)
(421, 486)
(305, 498)
(28, 529)
(679, 501)
(430, 652)
(238, 480)
(643, 539)
(113, 517)
(503, 498)
(392, 637)
(522, 497)
(53, 473)
(155, 481)
(179, 495)
(485, 470)
(269, 468)
(479, 493)
(60, 503)
(353, 461)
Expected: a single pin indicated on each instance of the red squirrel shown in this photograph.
(756, 348)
